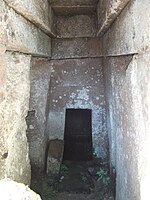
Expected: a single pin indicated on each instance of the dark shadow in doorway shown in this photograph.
(78, 135)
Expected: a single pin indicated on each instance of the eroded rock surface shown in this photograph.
(54, 156)
(14, 159)
(11, 190)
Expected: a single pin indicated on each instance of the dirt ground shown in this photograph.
(77, 181)
(67, 196)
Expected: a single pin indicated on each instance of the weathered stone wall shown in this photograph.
(73, 7)
(127, 85)
(22, 31)
(130, 32)
(76, 48)
(76, 79)
(107, 12)
(127, 92)
(37, 12)
(73, 2)
(14, 161)
(2, 73)
(19, 34)
(114, 71)
(15, 191)
(36, 120)
(76, 26)
(76, 37)
(40, 82)
(78, 83)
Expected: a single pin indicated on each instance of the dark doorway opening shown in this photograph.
(78, 135)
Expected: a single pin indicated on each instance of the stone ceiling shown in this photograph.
(73, 7)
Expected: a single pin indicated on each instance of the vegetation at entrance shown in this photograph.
(79, 180)
(49, 193)
(64, 170)
(103, 176)
(100, 195)
(84, 178)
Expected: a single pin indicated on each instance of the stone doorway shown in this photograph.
(78, 135)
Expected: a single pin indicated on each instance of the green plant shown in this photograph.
(49, 193)
(91, 190)
(84, 178)
(100, 196)
(103, 176)
(64, 170)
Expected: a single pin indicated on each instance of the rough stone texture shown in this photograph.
(37, 143)
(40, 80)
(76, 26)
(14, 160)
(128, 100)
(73, 2)
(54, 156)
(76, 7)
(76, 48)
(107, 12)
(18, 34)
(143, 80)
(127, 92)
(78, 83)
(56, 124)
(111, 69)
(11, 190)
(2, 73)
(74, 10)
(125, 35)
(38, 12)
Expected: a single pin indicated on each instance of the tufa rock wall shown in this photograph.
(37, 116)
(23, 32)
(15, 191)
(19, 34)
(80, 86)
(14, 160)
(127, 85)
